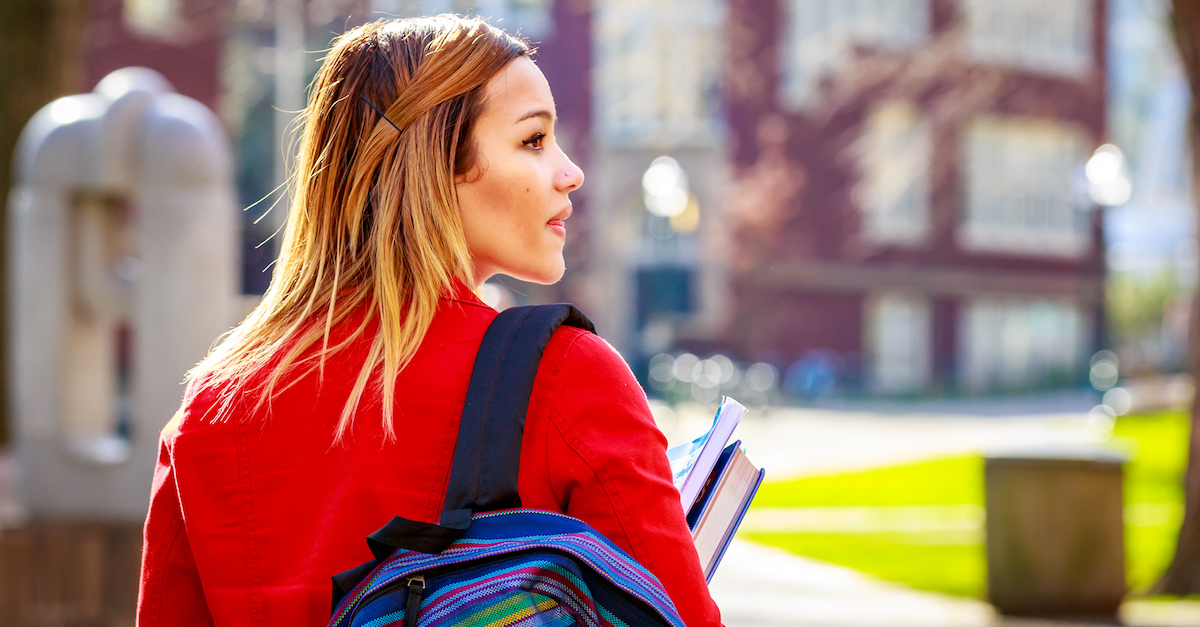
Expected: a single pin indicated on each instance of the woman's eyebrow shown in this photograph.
(545, 114)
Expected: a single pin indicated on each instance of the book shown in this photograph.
(691, 463)
(722, 513)
(706, 493)
(717, 483)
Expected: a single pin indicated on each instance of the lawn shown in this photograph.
(953, 562)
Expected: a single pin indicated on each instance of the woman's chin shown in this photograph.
(547, 274)
(548, 278)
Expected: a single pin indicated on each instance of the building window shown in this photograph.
(898, 343)
(154, 18)
(820, 36)
(1020, 343)
(656, 74)
(1053, 37)
(1020, 189)
(894, 188)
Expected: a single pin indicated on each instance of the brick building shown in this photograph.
(906, 192)
(889, 190)
(184, 40)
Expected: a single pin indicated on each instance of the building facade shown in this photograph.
(184, 40)
(906, 192)
(889, 193)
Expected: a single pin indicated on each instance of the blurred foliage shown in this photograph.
(1136, 302)
(955, 562)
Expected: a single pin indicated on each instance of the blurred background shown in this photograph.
(944, 249)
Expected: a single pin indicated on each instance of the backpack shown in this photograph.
(487, 561)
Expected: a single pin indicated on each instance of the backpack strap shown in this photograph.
(487, 453)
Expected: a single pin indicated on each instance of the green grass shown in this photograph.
(1158, 444)
(950, 481)
(956, 564)
(918, 560)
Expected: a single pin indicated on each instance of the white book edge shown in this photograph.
(728, 416)
(728, 498)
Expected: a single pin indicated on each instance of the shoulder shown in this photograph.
(587, 377)
(572, 352)
(204, 410)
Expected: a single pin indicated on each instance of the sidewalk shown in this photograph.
(758, 586)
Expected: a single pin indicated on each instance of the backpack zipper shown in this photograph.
(416, 590)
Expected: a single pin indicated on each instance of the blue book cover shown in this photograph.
(692, 463)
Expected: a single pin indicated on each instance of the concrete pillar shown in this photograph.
(122, 245)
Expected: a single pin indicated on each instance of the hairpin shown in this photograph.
(381, 114)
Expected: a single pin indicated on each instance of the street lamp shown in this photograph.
(668, 199)
(1108, 178)
(665, 188)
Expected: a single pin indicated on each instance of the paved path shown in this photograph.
(759, 586)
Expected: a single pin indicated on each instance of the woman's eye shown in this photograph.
(535, 141)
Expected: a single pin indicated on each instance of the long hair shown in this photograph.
(374, 223)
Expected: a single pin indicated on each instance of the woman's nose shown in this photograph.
(569, 177)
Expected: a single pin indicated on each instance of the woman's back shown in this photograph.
(252, 514)
(429, 162)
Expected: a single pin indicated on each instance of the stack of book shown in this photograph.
(716, 483)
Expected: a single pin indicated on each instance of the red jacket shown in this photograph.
(251, 516)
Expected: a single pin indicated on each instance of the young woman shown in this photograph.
(428, 164)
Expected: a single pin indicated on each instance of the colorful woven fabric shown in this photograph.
(514, 568)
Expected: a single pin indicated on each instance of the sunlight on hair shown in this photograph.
(373, 237)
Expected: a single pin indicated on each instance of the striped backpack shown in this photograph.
(488, 562)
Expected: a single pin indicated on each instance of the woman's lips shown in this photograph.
(558, 222)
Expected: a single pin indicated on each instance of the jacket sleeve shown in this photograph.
(169, 592)
(610, 470)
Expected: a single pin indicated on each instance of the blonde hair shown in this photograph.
(374, 220)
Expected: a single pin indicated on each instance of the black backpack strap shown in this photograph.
(487, 453)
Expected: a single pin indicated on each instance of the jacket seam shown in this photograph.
(247, 495)
(558, 498)
(566, 350)
(162, 554)
(467, 302)
(607, 483)
(551, 393)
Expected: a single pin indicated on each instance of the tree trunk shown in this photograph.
(1183, 575)
(41, 58)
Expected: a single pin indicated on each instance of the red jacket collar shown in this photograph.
(459, 292)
